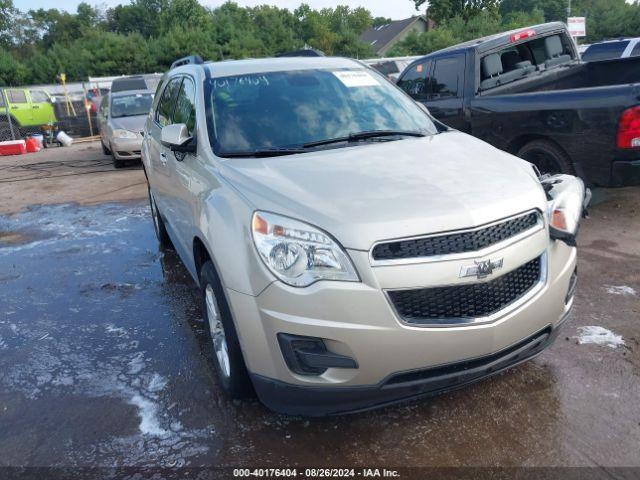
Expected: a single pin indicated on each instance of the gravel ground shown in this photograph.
(80, 173)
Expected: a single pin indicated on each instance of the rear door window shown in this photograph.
(604, 51)
(164, 112)
(446, 76)
(415, 80)
(38, 96)
(636, 50)
(17, 96)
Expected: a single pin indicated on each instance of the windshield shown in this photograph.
(604, 51)
(131, 105)
(279, 110)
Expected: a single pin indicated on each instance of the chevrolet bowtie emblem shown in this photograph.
(481, 268)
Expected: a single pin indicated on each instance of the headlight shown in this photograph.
(121, 133)
(297, 253)
(568, 198)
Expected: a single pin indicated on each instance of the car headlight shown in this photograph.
(121, 133)
(297, 253)
(568, 199)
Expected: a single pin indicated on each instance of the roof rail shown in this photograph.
(304, 52)
(190, 60)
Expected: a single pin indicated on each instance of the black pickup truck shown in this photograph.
(527, 92)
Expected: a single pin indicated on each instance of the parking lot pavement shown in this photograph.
(103, 361)
(80, 173)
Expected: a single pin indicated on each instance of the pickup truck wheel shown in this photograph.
(223, 339)
(158, 223)
(548, 157)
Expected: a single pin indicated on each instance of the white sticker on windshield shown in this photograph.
(356, 78)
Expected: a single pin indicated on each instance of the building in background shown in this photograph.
(383, 37)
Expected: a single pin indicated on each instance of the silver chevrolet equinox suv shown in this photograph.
(352, 251)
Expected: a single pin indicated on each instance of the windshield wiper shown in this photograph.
(354, 137)
(267, 152)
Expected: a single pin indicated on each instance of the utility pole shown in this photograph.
(5, 99)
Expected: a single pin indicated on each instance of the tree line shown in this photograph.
(462, 20)
(147, 35)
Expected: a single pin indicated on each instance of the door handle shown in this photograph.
(163, 158)
(35, 106)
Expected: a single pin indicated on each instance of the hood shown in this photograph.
(135, 124)
(416, 186)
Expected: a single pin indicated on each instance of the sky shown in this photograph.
(394, 9)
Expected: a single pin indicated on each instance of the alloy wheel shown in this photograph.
(217, 332)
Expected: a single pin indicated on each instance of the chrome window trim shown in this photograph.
(465, 322)
(540, 225)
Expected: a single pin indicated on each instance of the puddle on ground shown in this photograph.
(104, 362)
(87, 313)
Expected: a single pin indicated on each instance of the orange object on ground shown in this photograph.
(13, 147)
(32, 145)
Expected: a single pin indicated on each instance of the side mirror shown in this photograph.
(177, 138)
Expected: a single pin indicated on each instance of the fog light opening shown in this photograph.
(309, 355)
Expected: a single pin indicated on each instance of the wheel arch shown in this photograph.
(517, 143)
(201, 255)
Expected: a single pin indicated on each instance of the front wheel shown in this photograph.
(547, 156)
(223, 338)
(118, 163)
(158, 223)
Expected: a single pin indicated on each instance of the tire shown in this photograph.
(222, 336)
(118, 163)
(158, 223)
(547, 156)
(105, 150)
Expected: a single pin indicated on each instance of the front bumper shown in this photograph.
(126, 148)
(395, 360)
(401, 387)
